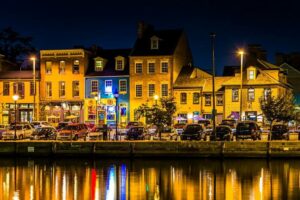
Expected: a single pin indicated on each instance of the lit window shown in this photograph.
(48, 89)
(138, 68)
(251, 95)
(76, 67)
(154, 43)
(94, 86)
(196, 97)
(164, 90)
(31, 88)
(164, 67)
(151, 90)
(21, 90)
(267, 93)
(119, 64)
(108, 86)
(207, 99)
(62, 89)
(219, 99)
(62, 67)
(123, 86)
(251, 74)
(98, 65)
(235, 94)
(138, 90)
(6, 89)
(75, 88)
(151, 68)
(183, 98)
(48, 67)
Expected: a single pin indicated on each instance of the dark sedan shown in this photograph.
(223, 133)
(280, 132)
(136, 133)
(192, 132)
(44, 133)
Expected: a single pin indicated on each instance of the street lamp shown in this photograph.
(241, 53)
(34, 88)
(15, 98)
(116, 95)
(156, 98)
(213, 36)
(96, 121)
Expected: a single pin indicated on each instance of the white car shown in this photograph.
(21, 130)
(95, 134)
(38, 124)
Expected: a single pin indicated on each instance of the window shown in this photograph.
(75, 88)
(219, 99)
(31, 88)
(138, 90)
(62, 67)
(48, 67)
(235, 94)
(251, 74)
(151, 90)
(48, 89)
(62, 89)
(154, 43)
(94, 86)
(108, 86)
(207, 99)
(21, 90)
(98, 65)
(6, 89)
(120, 63)
(267, 93)
(183, 98)
(138, 68)
(196, 97)
(164, 90)
(164, 67)
(123, 86)
(76, 67)
(15, 88)
(151, 68)
(251, 94)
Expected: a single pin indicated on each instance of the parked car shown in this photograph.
(192, 132)
(179, 127)
(229, 122)
(134, 123)
(204, 122)
(23, 130)
(223, 132)
(3, 128)
(38, 124)
(96, 133)
(280, 132)
(62, 125)
(248, 130)
(73, 132)
(136, 133)
(166, 133)
(44, 133)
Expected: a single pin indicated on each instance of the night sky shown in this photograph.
(112, 24)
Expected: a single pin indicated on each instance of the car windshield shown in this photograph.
(278, 127)
(43, 130)
(15, 128)
(137, 129)
(245, 126)
(228, 122)
(194, 128)
(133, 123)
(70, 128)
(36, 123)
(222, 129)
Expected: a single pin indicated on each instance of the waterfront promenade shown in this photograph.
(131, 149)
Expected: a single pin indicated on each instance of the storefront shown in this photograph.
(24, 113)
(251, 115)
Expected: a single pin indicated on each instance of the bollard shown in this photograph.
(151, 137)
(178, 138)
(207, 137)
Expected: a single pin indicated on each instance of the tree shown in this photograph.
(278, 109)
(15, 46)
(158, 115)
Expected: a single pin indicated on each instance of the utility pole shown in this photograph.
(213, 36)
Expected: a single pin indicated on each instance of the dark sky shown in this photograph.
(112, 24)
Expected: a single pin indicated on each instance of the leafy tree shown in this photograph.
(278, 109)
(159, 114)
(15, 46)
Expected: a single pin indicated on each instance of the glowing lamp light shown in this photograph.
(155, 97)
(33, 58)
(15, 97)
(190, 116)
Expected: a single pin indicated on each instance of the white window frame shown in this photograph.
(148, 68)
(98, 68)
(73, 87)
(161, 89)
(46, 70)
(60, 89)
(154, 43)
(73, 70)
(251, 74)
(107, 91)
(48, 89)
(93, 86)
(120, 91)
(135, 67)
(149, 95)
(117, 60)
(161, 67)
(62, 66)
(138, 84)
(252, 90)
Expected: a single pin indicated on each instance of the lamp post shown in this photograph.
(34, 88)
(156, 98)
(96, 118)
(116, 95)
(213, 36)
(241, 53)
(15, 98)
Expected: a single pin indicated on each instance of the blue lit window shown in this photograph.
(108, 86)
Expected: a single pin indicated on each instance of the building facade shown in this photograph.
(107, 88)
(155, 63)
(62, 84)
(19, 83)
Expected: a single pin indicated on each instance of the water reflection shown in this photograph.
(149, 179)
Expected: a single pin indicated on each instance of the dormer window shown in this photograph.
(154, 42)
(251, 73)
(120, 61)
(99, 64)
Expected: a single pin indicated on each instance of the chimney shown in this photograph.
(255, 51)
(143, 28)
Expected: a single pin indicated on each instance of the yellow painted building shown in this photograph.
(18, 83)
(155, 62)
(62, 84)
